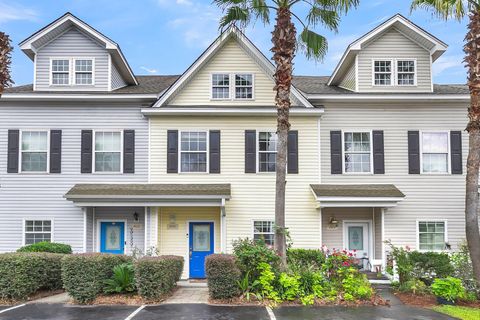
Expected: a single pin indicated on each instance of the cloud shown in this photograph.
(447, 63)
(151, 71)
(378, 21)
(12, 12)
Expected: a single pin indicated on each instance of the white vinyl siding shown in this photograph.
(193, 151)
(435, 152)
(108, 150)
(349, 82)
(432, 235)
(34, 147)
(267, 151)
(37, 231)
(264, 231)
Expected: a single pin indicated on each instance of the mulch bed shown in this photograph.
(129, 299)
(37, 295)
(429, 300)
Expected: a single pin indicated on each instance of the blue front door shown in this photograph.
(200, 246)
(112, 237)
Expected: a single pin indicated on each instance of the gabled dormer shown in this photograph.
(396, 56)
(70, 55)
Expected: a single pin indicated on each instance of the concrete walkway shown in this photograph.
(57, 298)
(188, 292)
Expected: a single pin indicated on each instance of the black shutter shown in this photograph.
(55, 151)
(129, 151)
(86, 157)
(292, 160)
(172, 151)
(214, 142)
(250, 151)
(336, 152)
(456, 151)
(378, 152)
(413, 152)
(13, 145)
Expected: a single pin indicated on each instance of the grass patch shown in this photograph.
(464, 313)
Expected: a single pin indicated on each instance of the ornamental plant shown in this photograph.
(448, 288)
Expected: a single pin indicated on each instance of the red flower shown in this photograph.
(345, 264)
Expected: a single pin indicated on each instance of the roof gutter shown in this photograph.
(403, 97)
(228, 111)
(80, 96)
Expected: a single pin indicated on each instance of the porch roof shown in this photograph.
(357, 195)
(148, 194)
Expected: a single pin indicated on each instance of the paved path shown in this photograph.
(212, 312)
(189, 295)
(57, 298)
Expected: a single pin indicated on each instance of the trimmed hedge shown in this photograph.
(430, 265)
(84, 275)
(22, 274)
(46, 246)
(156, 276)
(223, 275)
(305, 258)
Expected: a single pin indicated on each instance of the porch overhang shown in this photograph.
(158, 195)
(356, 195)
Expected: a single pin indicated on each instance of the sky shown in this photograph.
(166, 36)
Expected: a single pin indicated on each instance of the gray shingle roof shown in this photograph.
(356, 190)
(116, 190)
(306, 84)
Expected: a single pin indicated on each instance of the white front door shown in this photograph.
(356, 238)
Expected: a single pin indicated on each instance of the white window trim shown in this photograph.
(74, 76)
(207, 151)
(257, 151)
(20, 153)
(449, 164)
(414, 72)
(343, 151)
(69, 72)
(52, 226)
(262, 220)
(94, 151)
(232, 86)
(418, 233)
(392, 72)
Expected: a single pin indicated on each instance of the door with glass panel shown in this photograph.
(356, 238)
(200, 246)
(112, 237)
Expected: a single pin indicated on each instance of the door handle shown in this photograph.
(190, 253)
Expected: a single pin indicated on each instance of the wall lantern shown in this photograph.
(332, 223)
(135, 216)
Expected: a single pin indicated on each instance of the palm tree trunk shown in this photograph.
(284, 40)
(472, 50)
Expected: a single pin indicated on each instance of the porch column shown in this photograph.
(223, 228)
(145, 240)
(320, 223)
(84, 209)
(383, 239)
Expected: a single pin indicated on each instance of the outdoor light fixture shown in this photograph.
(332, 223)
(135, 216)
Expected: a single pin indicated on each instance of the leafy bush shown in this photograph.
(305, 259)
(415, 286)
(157, 276)
(449, 288)
(251, 253)
(46, 246)
(223, 276)
(462, 269)
(355, 285)
(84, 275)
(123, 279)
(430, 265)
(22, 274)
(266, 283)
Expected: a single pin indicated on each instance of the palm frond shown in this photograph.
(261, 10)
(445, 9)
(235, 14)
(329, 18)
(338, 5)
(314, 45)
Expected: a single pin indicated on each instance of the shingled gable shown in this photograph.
(58, 27)
(231, 33)
(401, 24)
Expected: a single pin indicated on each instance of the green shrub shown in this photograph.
(305, 259)
(251, 253)
(156, 276)
(415, 286)
(84, 275)
(223, 276)
(463, 269)
(355, 286)
(22, 274)
(449, 288)
(123, 279)
(46, 246)
(430, 265)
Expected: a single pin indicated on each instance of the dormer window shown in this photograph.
(406, 72)
(243, 86)
(84, 71)
(232, 86)
(382, 72)
(61, 72)
(220, 86)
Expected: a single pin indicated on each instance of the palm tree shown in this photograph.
(458, 9)
(5, 60)
(285, 45)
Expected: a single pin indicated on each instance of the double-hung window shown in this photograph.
(34, 151)
(431, 235)
(193, 151)
(243, 86)
(220, 86)
(108, 151)
(382, 70)
(267, 151)
(406, 72)
(435, 146)
(264, 231)
(357, 152)
(60, 72)
(38, 231)
(84, 71)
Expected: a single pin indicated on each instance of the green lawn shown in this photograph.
(464, 313)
